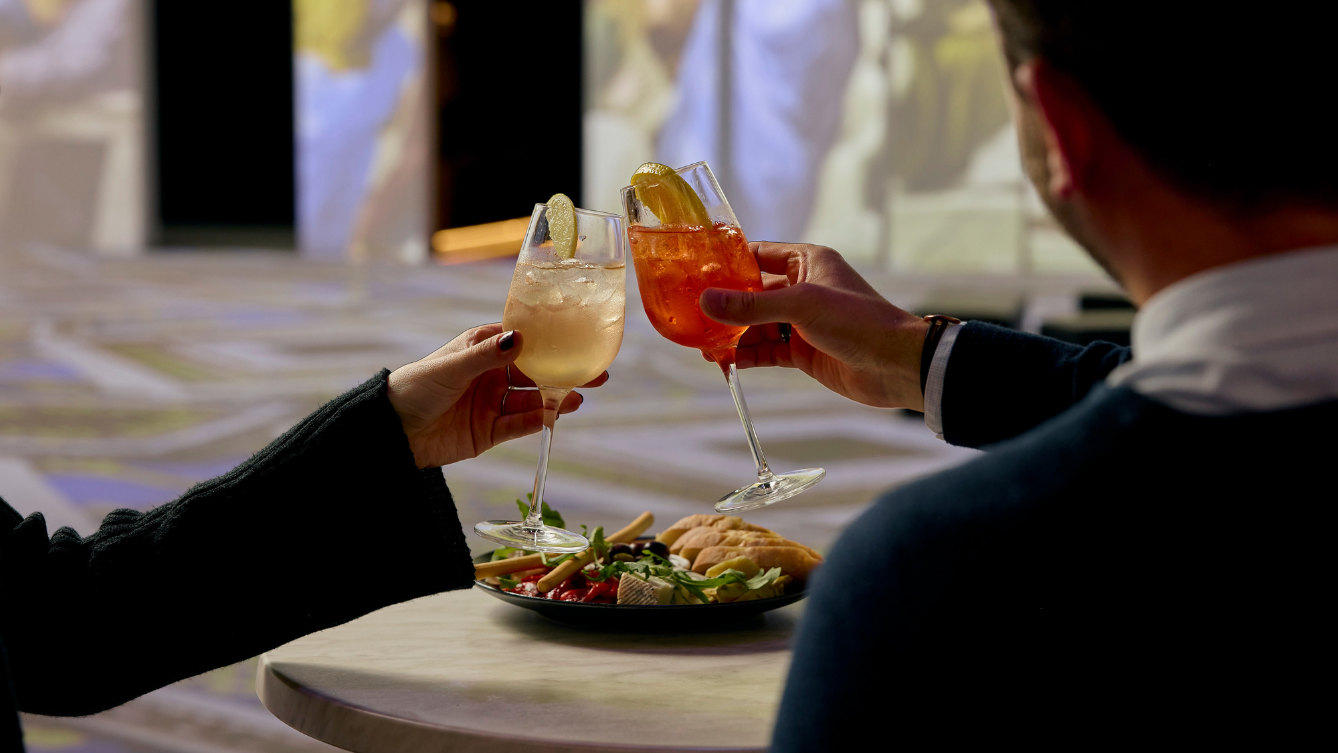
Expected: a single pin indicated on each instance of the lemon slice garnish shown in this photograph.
(562, 225)
(668, 196)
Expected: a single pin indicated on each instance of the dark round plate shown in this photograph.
(640, 617)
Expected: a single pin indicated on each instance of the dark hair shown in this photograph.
(1232, 103)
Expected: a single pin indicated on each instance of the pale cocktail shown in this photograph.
(567, 299)
(571, 313)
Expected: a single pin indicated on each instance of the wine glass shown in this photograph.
(674, 264)
(570, 311)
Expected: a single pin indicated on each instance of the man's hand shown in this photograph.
(844, 334)
(451, 403)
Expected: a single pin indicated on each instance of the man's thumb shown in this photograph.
(742, 307)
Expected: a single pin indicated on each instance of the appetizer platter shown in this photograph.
(701, 572)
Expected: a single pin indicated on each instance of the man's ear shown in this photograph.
(1066, 115)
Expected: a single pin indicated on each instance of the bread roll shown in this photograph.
(704, 536)
(731, 523)
(693, 542)
(673, 532)
(792, 560)
(745, 539)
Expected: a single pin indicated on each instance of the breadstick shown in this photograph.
(562, 572)
(512, 565)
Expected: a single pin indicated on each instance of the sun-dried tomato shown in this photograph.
(602, 592)
(525, 589)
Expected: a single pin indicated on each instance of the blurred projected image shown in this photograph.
(362, 129)
(71, 98)
(877, 127)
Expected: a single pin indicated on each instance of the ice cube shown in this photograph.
(599, 295)
(549, 296)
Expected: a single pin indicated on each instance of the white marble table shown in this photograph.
(463, 671)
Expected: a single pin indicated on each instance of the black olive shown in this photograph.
(658, 547)
(637, 546)
(618, 549)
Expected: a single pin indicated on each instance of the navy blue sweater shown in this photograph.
(330, 522)
(1112, 571)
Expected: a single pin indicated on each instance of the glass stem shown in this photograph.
(552, 400)
(736, 389)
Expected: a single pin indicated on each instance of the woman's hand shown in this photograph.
(452, 402)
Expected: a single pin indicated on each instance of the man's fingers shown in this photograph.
(769, 353)
(795, 304)
(753, 335)
(778, 258)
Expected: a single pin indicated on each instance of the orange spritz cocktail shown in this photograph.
(675, 263)
(685, 238)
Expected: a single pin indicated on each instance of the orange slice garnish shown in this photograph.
(668, 196)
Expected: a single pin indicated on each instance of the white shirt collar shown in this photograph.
(1258, 335)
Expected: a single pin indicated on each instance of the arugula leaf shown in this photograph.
(505, 552)
(549, 516)
(763, 579)
(598, 545)
(506, 581)
(653, 565)
(554, 562)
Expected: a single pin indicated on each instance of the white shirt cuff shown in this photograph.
(938, 370)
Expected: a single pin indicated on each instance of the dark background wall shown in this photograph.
(222, 77)
(509, 94)
(508, 87)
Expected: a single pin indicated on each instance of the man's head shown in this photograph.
(1224, 110)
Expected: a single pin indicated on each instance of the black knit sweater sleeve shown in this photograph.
(1000, 383)
(330, 522)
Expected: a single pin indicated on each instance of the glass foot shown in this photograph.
(769, 492)
(542, 539)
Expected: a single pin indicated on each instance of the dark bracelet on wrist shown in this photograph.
(937, 324)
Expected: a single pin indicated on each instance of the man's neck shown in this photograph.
(1153, 236)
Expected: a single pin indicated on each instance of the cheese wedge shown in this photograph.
(633, 590)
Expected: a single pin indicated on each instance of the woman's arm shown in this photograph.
(331, 521)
